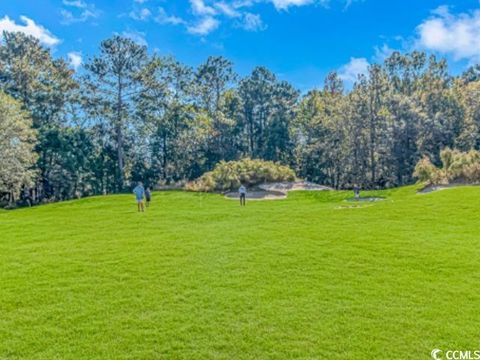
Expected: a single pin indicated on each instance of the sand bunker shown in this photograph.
(278, 191)
(366, 199)
(259, 195)
(432, 188)
(293, 186)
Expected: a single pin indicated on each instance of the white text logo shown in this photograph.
(456, 354)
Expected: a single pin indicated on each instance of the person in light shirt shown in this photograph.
(139, 192)
(242, 191)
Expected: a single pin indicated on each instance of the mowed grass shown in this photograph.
(198, 277)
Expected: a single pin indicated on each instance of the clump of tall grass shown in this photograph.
(457, 167)
(229, 175)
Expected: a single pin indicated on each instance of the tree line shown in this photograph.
(129, 115)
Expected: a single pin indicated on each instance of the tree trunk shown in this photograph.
(248, 115)
(119, 134)
(165, 157)
(373, 135)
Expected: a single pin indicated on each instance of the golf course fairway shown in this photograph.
(198, 277)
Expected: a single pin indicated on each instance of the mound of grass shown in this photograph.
(198, 277)
(229, 175)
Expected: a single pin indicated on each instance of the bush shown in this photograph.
(229, 175)
(457, 167)
(427, 172)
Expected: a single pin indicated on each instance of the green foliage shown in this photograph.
(267, 110)
(45, 88)
(457, 167)
(17, 141)
(318, 134)
(111, 82)
(229, 175)
(30, 74)
(134, 116)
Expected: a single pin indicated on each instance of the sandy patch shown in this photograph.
(432, 188)
(258, 195)
(278, 191)
(293, 186)
(366, 199)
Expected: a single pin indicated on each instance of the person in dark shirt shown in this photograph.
(148, 196)
(242, 191)
(356, 191)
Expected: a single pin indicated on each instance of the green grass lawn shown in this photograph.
(198, 277)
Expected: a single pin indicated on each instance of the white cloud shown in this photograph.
(285, 4)
(253, 22)
(382, 53)
(348, 3)
(70, 18)
(349, 72)
(204, 26)
(75, 3)
(29, 28)
(75, 59)
(140, 14)
(227, 9)
(200, 8)
(456, 35)
(164, 18)
(208, 14)
(136, 36)
(82, 12)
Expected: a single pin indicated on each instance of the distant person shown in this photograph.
(148, 196)
(356, 191)
(242, 191)
(139, 192)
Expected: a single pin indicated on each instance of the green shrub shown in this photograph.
(457, 167)
(229, 175)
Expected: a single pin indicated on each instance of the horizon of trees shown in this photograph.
(130, 116)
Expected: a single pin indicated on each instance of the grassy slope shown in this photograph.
(199, 277)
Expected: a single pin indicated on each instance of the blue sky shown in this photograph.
(300, 40)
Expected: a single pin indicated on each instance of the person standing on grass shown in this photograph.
(356, 191)
(139, 192)
(148, 196)
(242, 191)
